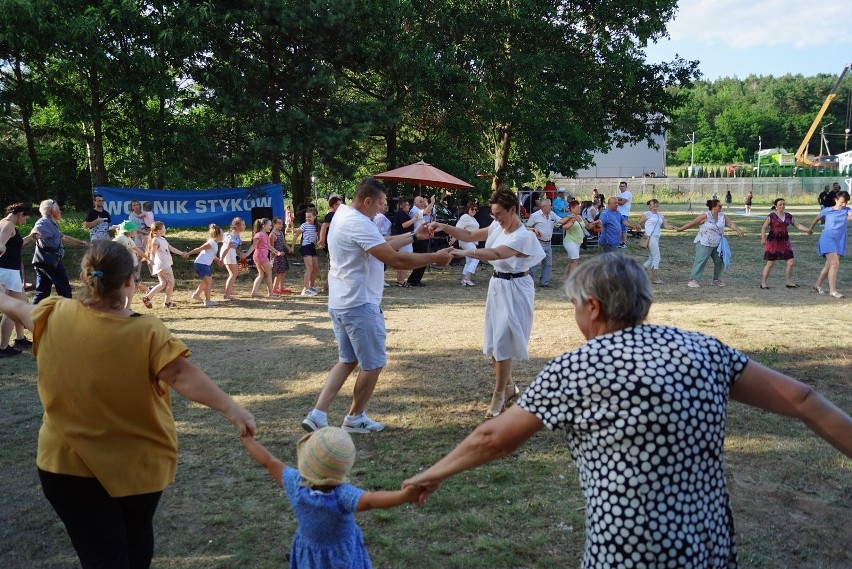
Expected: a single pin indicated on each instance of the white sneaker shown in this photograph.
(308, 292)
(314, 291)
(311, 423)
(211, 303)
(362, 424)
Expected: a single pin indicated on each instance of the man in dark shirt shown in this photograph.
(98, 220)
(334, 202)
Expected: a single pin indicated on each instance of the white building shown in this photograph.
(632, 161)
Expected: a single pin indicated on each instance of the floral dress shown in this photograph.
(328, 535)
(778, 246)
(279, 262)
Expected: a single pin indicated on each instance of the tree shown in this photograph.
(554, 81)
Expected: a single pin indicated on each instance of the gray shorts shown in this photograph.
(360, 334)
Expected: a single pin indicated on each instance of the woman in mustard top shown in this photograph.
(107, 445)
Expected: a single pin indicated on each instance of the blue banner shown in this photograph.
(195, 208)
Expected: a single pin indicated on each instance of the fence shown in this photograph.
(681, 189)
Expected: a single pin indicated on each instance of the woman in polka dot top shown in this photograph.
(644, 407)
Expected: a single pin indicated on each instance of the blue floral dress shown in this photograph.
(327, 536)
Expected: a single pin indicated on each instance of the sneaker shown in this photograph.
(308, 292)
(387, 284)
(314, 291)
(544, 285)
(717, 282)
(622, 245)
(211, 303)
(9, 351)
(23, 343)
(362, 424)
(311, 423)
(693, 284)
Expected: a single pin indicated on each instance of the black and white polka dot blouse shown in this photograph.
(645, 410)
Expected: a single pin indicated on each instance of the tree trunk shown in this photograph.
(501, 156)
(95, 140)
(26, 114)
(300, 177)
(392, 146)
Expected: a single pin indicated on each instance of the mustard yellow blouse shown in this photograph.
(105, 416)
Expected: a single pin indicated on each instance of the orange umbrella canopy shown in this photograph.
(424, 174)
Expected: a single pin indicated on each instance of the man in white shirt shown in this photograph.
(421, 213)
(541, 223)
(625, 200)
(355, 287)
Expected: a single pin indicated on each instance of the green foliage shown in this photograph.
(187, 94)
(728, 115)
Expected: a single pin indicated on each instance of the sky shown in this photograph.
(736, 38)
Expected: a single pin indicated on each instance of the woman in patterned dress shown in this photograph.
(644, 410)
(777, 244)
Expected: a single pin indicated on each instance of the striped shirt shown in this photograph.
(309, 233)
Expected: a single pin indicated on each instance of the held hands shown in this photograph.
(242, 419)
(425, 231)
(447, 255)
(457, 253)
(424, 488)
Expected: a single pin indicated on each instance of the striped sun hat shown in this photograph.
(325, 457)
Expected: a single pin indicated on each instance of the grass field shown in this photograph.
(792, 493)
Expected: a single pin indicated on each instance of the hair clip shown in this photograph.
(96, 274)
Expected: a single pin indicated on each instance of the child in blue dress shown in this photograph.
(324, 503)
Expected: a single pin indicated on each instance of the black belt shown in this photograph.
(509, 276)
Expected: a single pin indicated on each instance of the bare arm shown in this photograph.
(190, 381)
(773, 391)
(814, 222)
(467, 235)
(734, 226)
(405, 261)
(387, 499)
(797, 225)
(492, 254)
(322, 235)
(264, 458)
(6, 233)
(763, 229)
(251, 249)
(74, 241)
(699, 219)
(16, 309)
(491, 440)
(199, 249)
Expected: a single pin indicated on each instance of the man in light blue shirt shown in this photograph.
(559, 203)
(611, 220)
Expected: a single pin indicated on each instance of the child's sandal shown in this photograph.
(147, 302)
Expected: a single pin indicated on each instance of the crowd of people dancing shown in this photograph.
(107, 450)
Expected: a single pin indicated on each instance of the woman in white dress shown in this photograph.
(512, 250)
(468, 222)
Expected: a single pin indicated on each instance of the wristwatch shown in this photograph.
(413, 237)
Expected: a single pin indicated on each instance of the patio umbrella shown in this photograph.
(423, 174)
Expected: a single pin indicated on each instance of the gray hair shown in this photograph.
(543, 203)
(46, 207)
(618, 282)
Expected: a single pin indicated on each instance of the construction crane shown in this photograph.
(801, 157)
